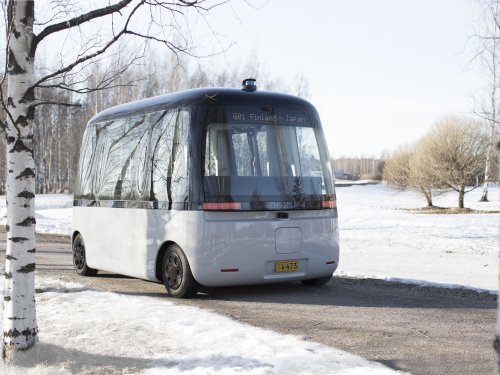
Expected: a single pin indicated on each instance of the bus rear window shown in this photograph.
(255, 162)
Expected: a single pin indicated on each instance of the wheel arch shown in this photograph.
(159, 258)
(73, 236)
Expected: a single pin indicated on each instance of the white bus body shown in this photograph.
(212, 187)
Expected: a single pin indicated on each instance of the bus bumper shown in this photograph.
(243, 248)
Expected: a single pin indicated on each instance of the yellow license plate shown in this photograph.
(288, 266)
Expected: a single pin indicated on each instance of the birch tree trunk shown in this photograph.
(492, 61)
(496, 343)
(19, 319)
(484, 196)
(491, 119)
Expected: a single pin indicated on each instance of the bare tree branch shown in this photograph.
(487, 116)
(171, 46)
(56, 103)
(97, 13)
(90, 56)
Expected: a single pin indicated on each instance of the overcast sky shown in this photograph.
(379, 72)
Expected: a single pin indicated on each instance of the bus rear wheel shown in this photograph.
(318, 281)
(176, 272)
(79, 258)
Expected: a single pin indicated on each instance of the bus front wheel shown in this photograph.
(79, 258)
(176, 272)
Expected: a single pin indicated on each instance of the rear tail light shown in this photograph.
(237, 206)
(224, 206)
(329, 204)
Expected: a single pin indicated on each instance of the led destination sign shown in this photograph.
(286, 117)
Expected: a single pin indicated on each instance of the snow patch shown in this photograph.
(90, 331)
(378, 237)
(416, 282)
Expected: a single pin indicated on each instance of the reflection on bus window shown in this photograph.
(121, 160)
(168, 159)
(264, 150)
(118, 173)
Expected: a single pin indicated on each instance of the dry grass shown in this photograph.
(449, 211)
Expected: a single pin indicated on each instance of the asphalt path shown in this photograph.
(415, 329)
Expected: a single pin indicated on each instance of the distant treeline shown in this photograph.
(361, 168)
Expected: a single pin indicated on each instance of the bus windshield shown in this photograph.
(267, 164)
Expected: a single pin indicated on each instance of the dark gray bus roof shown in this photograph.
(205, 96)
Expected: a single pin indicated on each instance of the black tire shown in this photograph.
(79, 258)
(176, 273)
(317, 282)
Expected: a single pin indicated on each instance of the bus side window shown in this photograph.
(141, 161)
(83, 186)
(179, 157)
(168, 157)
(119, 168)
(101, 149)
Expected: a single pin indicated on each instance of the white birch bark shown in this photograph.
(19, 318)
(496, 343)
(492, 116)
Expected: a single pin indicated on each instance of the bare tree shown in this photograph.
(450, 156)
(397, 167)
(301, 86)
(454, 152)
(406, 168)
(22, 97)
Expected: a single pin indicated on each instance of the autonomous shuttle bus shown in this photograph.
(212, 187)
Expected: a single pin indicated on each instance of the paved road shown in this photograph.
(421, 330)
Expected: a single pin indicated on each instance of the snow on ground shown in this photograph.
(85, 331)
(53, 213)
(379, 239)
